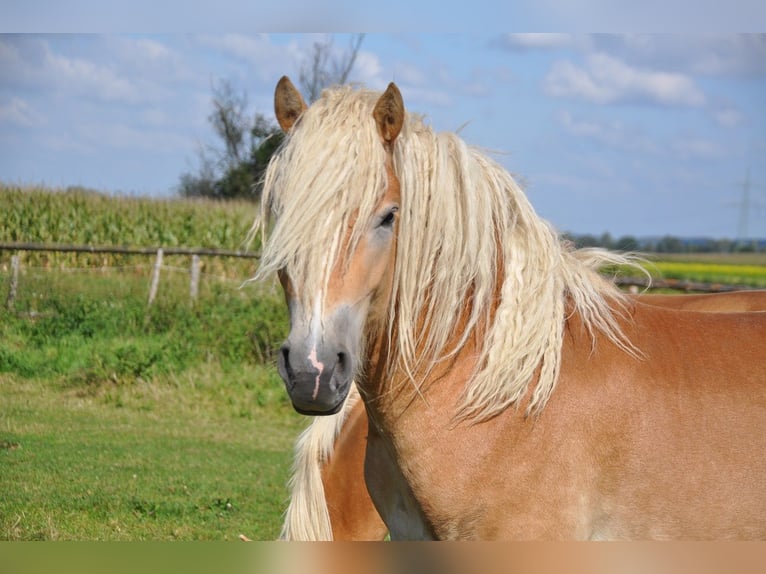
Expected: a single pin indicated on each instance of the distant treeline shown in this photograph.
(668, 244)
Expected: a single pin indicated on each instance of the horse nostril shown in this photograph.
(284, 358)
(342, 362)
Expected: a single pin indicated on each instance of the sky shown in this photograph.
(626, 133)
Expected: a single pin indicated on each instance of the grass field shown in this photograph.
(189, 457)
(728, 268)
(123, 422)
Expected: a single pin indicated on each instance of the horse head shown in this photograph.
(328, 317)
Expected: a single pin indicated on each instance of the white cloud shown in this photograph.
(678, 16)
(477, 88)
(258, 60)
(698, 148)
(367, 68)
(19, 112)
(408, 73)
(634, 140)
(542, 41)
(427, 96)
(88, 78)
(611, 133)
(249, 48)
(150, 59)
(698, 54)
(585, 128)
(122, 136)
(31, 62)
(728, 118)
(538, 40)
(728, 55)
(154, 117)
(152, 50)
(63, 142)
(605, 80)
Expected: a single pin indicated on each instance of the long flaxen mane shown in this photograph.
(465, 227)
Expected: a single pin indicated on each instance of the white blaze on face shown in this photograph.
(320, 367)
(314, 334)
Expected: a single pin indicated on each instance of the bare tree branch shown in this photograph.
(343, 70)
(229, 121)
(323, 69)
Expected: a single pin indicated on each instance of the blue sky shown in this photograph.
(640, 134)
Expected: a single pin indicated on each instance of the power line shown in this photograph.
(746, 205)
(744, 209)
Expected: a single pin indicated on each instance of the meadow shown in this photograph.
(124, 421)
(727, 268)
(120, 421)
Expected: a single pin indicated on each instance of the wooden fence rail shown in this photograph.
(201, 251)
(158, 252)
(681, 285)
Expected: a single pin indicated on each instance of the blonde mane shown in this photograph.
(465, 227)
(307, 517)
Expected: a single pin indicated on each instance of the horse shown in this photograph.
(328, 495)
(511, 392)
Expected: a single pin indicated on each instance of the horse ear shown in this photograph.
(389, 114)
(288, 103)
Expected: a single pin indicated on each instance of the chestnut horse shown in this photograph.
(328, 495)
(511, 392)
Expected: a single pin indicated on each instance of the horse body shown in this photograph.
(343, 493)
(511, 392)
(622, 450)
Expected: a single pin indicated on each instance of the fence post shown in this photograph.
(11, 301)
(155, 276)
(194, 286)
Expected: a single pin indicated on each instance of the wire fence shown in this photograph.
(30, 273)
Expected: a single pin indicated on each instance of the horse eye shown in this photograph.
(388, 219)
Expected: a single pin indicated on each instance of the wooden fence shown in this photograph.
(196, 253)
(158, 252)
(681, 285)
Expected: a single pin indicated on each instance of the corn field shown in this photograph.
(78, 216)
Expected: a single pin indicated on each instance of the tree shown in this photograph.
(324, 69)
(627, 243)
(235, 167)
(229, 121)
(669, 244)
(587, 240)
(606, 240)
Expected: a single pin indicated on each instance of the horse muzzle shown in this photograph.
(317, 380)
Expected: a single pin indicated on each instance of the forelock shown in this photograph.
(329, 170)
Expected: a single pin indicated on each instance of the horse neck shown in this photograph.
(389, 388)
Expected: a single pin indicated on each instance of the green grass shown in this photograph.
(194, 457)
(120, 421)
(742, 269)
(734, 269)
(742, 258)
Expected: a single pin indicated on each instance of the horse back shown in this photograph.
(676, 437)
